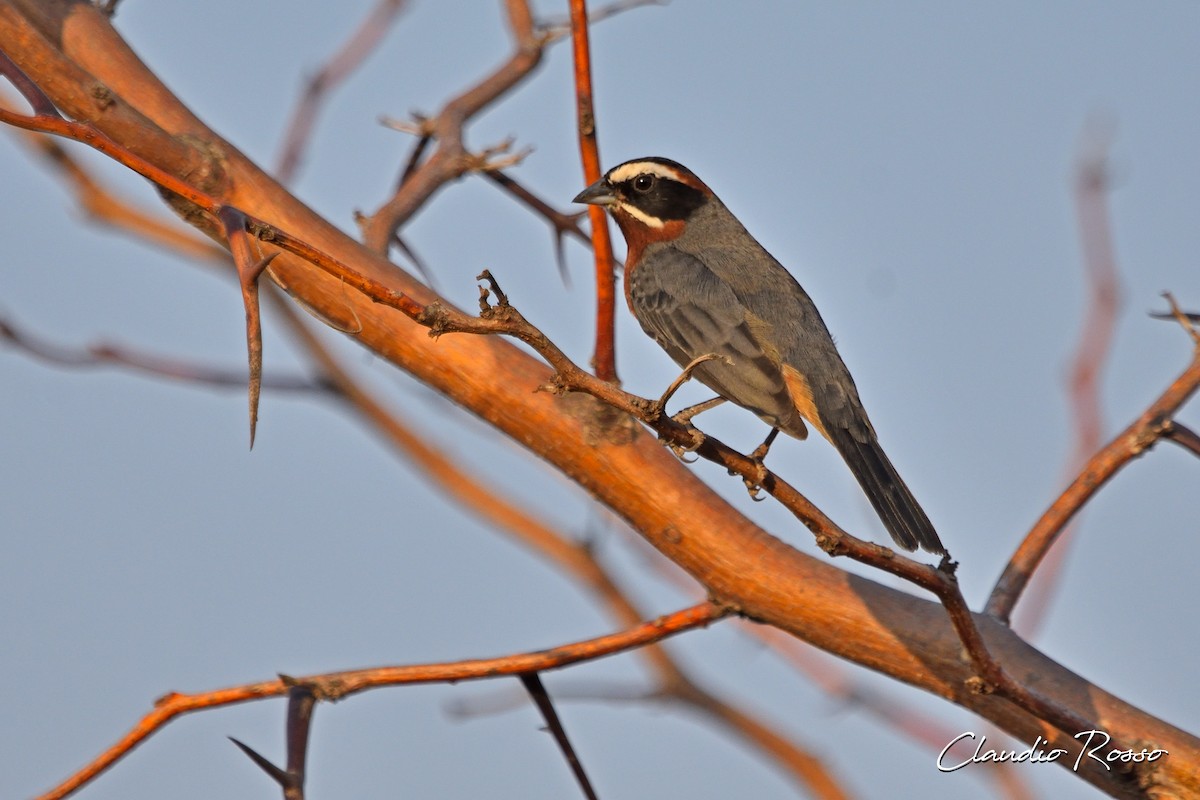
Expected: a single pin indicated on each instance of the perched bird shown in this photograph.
(699, 283)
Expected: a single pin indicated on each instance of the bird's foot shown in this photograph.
(681, 450)
(754, 484)
(759, 453)
(661, 404)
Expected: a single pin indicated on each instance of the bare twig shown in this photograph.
(447, 162)
(103, 354)
(41, 105)
(1184, 436)
(343, 63)
(1186, 321)
(1092, 189)
(423, 130)
(560, 27)
(604, 358)
(533, 685)
(563, 224)
(105, 207)
(1129, 444)
(338, 685)
(1190, 316)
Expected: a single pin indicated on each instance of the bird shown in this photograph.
(699, 283)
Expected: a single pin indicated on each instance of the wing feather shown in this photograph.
(690, 312)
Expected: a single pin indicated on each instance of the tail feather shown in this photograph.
(890, 496)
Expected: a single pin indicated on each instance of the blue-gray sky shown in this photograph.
(911, 163)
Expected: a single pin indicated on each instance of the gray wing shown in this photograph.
(690, 312)
(769, 293)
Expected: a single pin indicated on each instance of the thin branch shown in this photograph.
(560, 28)
(1092, 190)
(449, 161)
(1186, 320)
(1183, 436)
(1190, 316)
(103, 354)
(424, 133)
(604, 358)
(417, 262)
(1129, 444)
(86, 134)
(562, 223)
(41, 105)
(533, 685)
(339, 685)
(316, 89)
(103, 206)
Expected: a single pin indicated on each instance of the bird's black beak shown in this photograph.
(598, 194)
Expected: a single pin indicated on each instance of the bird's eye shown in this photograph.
(643, 183)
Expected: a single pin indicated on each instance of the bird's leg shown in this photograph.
(685, 416)
(661, 404)
(754, 487)
(760, 452)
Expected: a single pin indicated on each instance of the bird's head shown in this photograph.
(650, 198)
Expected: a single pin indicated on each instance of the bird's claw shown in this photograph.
(754, 490)
(755, 481)
(681, 450)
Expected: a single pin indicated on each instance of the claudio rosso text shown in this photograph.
(971, 748)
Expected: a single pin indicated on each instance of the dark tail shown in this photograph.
(893, 502)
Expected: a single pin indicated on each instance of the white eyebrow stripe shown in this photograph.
(642, 216)
(635, 168)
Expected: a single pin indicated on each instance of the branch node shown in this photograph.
(261, 230)
(1185, 320)
(102, 95)
(420, 125)
(435, 318)
(978, 686)
(557, 385)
